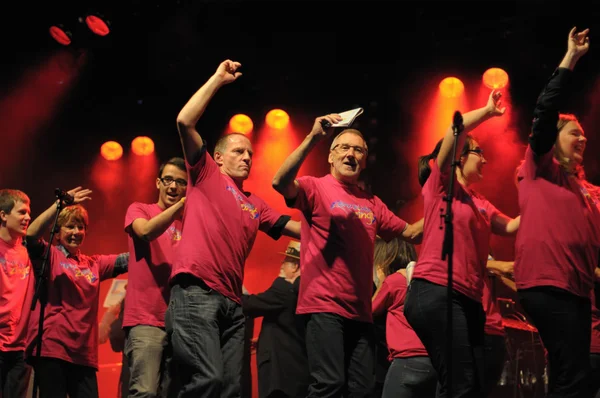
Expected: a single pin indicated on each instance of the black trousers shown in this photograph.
(58, 378)
(14, 374)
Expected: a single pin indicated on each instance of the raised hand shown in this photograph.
(80, 195)
(321, 132)
(494, 104)
(227, 71)
(578, 42)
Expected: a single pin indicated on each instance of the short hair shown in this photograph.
(176, 161)
(76, 212)
(9, 197)
(221, 145)
(348, 131)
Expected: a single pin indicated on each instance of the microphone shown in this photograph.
(457, 123)
(64, 196)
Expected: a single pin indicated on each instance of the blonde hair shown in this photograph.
(384, 254)
(76, 213)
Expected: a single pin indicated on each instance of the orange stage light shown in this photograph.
(495, 78)
(111, 150)
(241, 123)
(142, 146)
(277, 119)
(451, 87)
(97, 25)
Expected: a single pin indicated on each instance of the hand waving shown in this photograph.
(494, 104)
(227, 71)
(80, 195)
(578, 43)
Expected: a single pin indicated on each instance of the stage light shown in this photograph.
(451, 87)
(142, 146)
(241, 123)
(111, 150)
(495, 78)
(277, 119)
(98, 24)
(61, 34)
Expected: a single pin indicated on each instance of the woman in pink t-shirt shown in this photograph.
(559, 238)
(68, 361)
(474, 219)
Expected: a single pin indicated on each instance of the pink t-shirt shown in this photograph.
(472, 227)
(220, 224)
(338, 232)
(402, 341)
(149, 269)
(493, 318)
(16, 291)
(71, 314)
(559, 236)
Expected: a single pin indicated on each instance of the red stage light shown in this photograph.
(97, 25)
(60, 34)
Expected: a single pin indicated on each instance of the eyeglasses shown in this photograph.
(476, 151)
(344, 148)
(167, 181)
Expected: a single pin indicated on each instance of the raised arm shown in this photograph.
(545, 116)
(284, 181)
(42, 222)
(470, 121)
(151, 229)
(192, 111)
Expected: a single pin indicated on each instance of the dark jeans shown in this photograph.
(58, 378)
(595, 362)
(412, 377)
(425, 310)
(145, 350)
(340, 356)
(495, 355)
(206, 331)
(564, 323)
(14, 374)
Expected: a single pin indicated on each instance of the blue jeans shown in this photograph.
(206, 331)
(341, 356)
(425, 309)
(145, 350)
(412, 377)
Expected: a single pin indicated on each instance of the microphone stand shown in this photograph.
(41, 290)
(448, 246)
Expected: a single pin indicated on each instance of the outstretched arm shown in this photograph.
(284, 181)
(194, 109)
(470, 121)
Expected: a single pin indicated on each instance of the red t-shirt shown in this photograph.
(339, 226)
(402, 341)
(16, 292)
(71, 314)
(559, 236)
(220, 224)
(149, 269)
(493, 318)
(472, 215)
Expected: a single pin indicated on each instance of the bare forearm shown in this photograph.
(42, 222)
(283, 182)
(157, 225)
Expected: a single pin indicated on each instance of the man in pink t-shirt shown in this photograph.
(154, 230)
(16, 292)
(340, 222)
(220, 223)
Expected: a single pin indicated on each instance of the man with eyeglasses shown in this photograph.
(339, 228)
(153, 229)
(205, 319)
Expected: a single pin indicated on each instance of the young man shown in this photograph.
(340, 224)
(153, 231)
(221, 220)
(16, 292)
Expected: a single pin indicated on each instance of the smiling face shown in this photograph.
(73, 222)
(472, 163)
(570, 144)
(348, 157)
(17, 220)
(171, 185)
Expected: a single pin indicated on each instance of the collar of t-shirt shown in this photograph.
(67, 254)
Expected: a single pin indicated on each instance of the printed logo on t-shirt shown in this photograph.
(174, 233)
(11, 268)
(249, 207)
(362, 212)
(74, 270)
